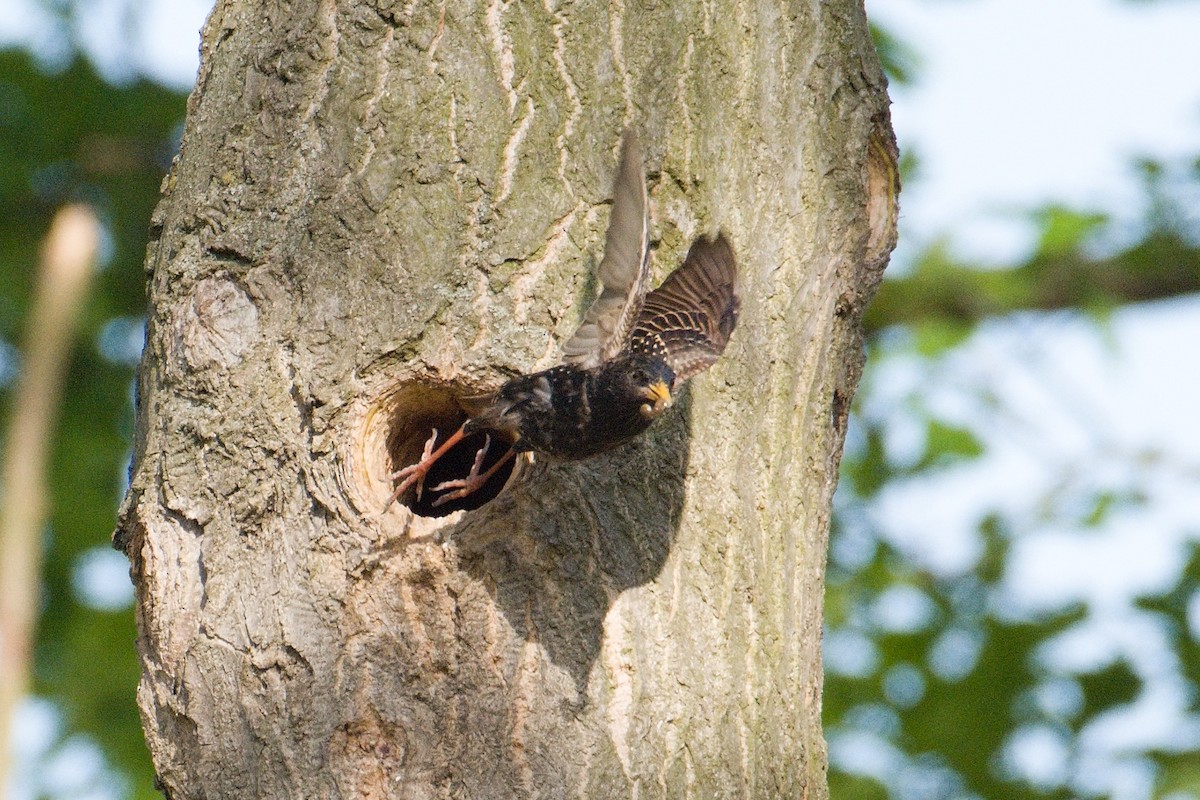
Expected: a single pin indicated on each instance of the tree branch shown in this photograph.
(61, 292)
(942, 291)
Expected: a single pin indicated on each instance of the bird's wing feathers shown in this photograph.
(689, 318)
(623, 270)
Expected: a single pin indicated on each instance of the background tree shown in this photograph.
(947, 677)
(69, 136)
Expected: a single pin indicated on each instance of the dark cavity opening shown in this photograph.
(418, 411)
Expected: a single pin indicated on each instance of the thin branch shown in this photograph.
(942, 291)
(66, 268)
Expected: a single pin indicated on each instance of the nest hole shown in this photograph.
(420, 411)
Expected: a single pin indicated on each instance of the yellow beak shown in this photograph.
(658, 393)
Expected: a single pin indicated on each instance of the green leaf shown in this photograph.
(1106, 502)
(901, 62)
(1063, 230)
(1115, 685)
(947, 444)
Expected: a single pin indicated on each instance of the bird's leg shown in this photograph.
(474, 479)
(472, 476)
(416, 472)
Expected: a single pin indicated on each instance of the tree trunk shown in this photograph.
(379, 209)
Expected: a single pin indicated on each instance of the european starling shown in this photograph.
(623, 366)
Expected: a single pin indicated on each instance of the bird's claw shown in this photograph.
(414, 473)
(465, 486)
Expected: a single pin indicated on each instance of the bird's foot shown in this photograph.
(474, 480)
(464, 486)
(415, 473)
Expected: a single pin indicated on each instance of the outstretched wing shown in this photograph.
(623, 270)
(688, 319)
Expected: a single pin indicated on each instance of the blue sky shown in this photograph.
(1024, 102)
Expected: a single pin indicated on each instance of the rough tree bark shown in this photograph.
(378, 208)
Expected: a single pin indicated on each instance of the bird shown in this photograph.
(622, 368)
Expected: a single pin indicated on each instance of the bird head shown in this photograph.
(658, 399)
(652, 381)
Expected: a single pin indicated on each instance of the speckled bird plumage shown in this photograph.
(632, 351)
(569, 413)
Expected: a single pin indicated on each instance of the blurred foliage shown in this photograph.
(967, 702)
(901, 62)
(943, 299)
(63, 137)
(937, 686)
(929, 702)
